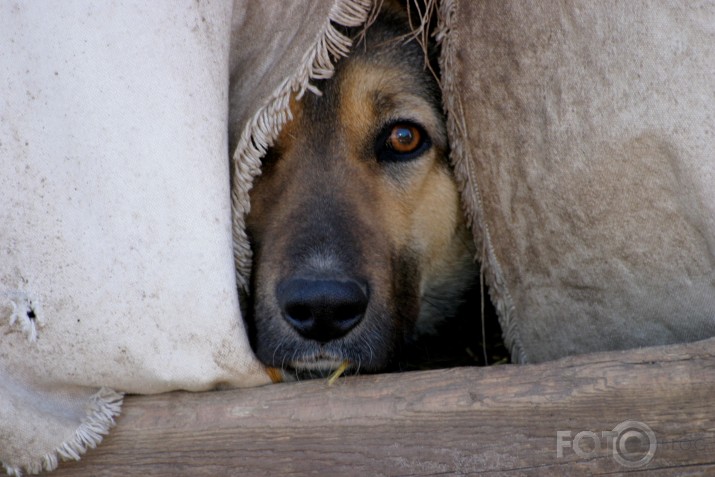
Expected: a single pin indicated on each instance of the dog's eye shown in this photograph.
(404, 138)
(401, 141)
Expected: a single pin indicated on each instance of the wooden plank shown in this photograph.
(500, 420)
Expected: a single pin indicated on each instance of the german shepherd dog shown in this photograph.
(358, 236)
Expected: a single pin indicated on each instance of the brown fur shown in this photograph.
(325, 208)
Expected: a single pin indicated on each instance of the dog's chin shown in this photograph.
(310, 359)
(316, 360)
(319, 366)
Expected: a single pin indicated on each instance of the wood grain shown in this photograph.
(500, 420)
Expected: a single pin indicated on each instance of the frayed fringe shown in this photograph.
(26, 311)
(467, 177)
(421, 27)
(264, 127)
(12, 470)
(102, 409)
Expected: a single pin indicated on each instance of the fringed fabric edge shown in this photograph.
(467, 178)
(102, 409)
(265, 125)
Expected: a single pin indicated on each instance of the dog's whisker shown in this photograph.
(275, 350)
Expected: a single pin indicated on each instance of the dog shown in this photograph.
(359, 239)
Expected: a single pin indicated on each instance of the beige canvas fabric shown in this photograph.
(585, 135)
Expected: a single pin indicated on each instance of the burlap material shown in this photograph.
(585, 136)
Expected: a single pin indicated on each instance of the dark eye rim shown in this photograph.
(386, 154)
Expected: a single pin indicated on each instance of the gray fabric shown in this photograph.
(585, 133)
(261, 57)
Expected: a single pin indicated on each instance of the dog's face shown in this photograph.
(355, 221)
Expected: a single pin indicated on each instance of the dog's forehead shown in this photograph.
(374, 94)
(370, 89)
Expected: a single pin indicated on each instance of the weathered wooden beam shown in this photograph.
(496, 420)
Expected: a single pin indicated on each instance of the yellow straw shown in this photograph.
(338, 372)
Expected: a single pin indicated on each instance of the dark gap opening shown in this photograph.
(459, 341)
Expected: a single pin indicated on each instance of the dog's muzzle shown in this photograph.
(322, 309)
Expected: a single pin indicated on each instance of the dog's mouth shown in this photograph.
(366, 348)
(320, 361)
(320, 365)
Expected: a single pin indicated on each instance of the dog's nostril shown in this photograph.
(322, 310)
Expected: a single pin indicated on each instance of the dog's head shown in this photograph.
(355, 221)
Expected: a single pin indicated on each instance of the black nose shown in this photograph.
(322, 310)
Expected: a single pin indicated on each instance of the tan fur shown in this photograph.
(324, 160)
(424, 211)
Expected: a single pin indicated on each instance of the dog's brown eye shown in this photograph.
(404, 138)
(401, 141)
